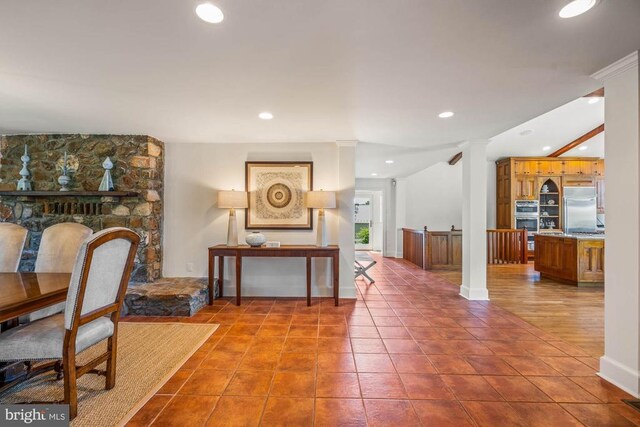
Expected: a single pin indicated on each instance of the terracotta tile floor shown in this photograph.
(409, 351)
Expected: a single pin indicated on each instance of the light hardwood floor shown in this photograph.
(573, 314)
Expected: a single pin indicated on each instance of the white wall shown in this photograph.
(434, 197)
(193, 175)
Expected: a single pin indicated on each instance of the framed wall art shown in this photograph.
(276, 195)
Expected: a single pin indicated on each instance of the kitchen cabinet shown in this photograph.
(575, 260)
(550, 199)
(600, 194)
(522, 167)
(598, 167)
(525, 187)
(549, 168)
(578, 181)
(504, 210)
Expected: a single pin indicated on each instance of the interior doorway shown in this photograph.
(368, 218)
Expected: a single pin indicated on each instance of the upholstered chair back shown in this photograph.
(12, 238)
(101, 272)
(59, 247)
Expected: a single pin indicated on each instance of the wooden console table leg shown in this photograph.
(335, 261)
(308, 281)
(238, 278)
(221, 275)
(211, 279)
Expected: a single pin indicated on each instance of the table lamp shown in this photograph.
(232, 200)
(321, 200)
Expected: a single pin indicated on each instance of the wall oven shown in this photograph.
(527, 208)
(527, 214)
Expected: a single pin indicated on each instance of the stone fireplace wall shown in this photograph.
(138, 168)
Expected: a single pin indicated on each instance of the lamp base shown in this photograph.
(321, 240)
(232, 232)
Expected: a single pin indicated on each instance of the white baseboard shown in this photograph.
(619, 375)
(474, 294)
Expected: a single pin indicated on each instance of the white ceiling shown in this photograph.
(374, 71)
(554, 129)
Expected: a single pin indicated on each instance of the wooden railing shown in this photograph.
(413, 246)
(507, 246)
(443, 249)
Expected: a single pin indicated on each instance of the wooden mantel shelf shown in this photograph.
(69, 193)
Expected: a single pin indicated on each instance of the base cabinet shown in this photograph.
(570, 260)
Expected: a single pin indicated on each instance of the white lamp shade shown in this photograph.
(321, 199)
(232, 199)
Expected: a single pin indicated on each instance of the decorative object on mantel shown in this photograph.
(272, 244)
(24, 184)
(321, 200)
(107, 181)
(276, 195)
(64, 179)
(232, 200)
(255, 239)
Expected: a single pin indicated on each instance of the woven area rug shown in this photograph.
(148, 355)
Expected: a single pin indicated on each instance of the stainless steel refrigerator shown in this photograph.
(580, 210)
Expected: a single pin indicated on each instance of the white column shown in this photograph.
(346, 227)
(401, 212)
(620, 364)
(474, 220)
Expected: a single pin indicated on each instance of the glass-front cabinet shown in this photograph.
(550, 198)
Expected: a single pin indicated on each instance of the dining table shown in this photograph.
(21, 294)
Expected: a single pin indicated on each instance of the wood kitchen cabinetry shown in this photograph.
(521, 178)
(600, 194)
(525, 187)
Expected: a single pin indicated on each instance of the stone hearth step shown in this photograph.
(182, 296)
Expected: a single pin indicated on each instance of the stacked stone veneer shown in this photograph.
(138, 167)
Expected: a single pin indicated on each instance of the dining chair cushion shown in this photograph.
(12, 238)
(44, 339)
(58, 251)
(103, 282)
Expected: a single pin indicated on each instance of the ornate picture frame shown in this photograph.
(276, 195)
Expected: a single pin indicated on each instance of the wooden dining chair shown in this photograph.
(12, 238)
(92, 311)
(57, 253)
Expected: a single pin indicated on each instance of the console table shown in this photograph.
(287, 251)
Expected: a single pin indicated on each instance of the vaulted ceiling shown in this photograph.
(371, 70)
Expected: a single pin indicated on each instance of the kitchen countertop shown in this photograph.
(579, 236)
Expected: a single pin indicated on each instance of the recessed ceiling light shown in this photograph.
(446, 114)
(593, 100)
(576, 7)
(584, 147)
(526, 132)
(265, 115)
(209, 13)
(546, 148)
(389, 162)
(374, 174)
